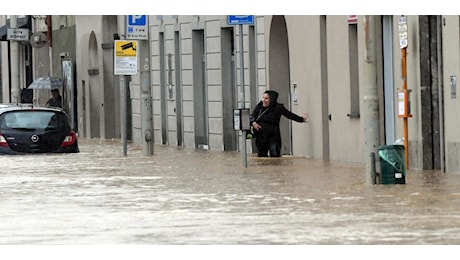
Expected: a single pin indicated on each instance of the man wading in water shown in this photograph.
(265, 120)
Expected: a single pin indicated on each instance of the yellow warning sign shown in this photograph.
(125, 57)
(125, 48)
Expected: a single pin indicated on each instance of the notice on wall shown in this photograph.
(125, 57)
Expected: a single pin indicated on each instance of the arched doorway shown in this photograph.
(279, 79)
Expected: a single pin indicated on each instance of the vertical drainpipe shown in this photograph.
(440, 91)
(371, 104)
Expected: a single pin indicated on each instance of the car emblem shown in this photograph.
(34, 138)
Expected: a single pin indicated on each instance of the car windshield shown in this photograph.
(33, 120)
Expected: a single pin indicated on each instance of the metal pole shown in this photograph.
(371, 110)
(123, 94)
(15, 91)
(146, 98)
(406, 106)
(124, 117)
(243, 99)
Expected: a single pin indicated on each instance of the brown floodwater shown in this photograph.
(184, 196)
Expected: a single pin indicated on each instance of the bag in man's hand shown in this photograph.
(252, 133)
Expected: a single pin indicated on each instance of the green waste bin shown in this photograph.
(392, 164)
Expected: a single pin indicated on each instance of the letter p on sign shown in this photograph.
(139, 20)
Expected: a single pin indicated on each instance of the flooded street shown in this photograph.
(183, 196)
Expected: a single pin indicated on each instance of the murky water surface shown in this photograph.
(186, 196)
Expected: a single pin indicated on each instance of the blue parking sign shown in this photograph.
(139, 20)
(137, 27)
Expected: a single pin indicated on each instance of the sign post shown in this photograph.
(403, 95)
(125, 63)
(240, 20)
(137, 28)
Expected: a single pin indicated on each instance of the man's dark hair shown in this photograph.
(273, 96)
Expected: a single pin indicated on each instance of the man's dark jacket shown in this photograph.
(270, 119)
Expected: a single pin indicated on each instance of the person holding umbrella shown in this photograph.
(49, 83)
(55, 100)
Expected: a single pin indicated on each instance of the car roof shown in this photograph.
(17, 107)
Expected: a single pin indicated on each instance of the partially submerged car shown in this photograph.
(25, 128)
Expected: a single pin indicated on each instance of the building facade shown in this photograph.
(317, 64)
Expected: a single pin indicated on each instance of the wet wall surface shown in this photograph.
(183, 196)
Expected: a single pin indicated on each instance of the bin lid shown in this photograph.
(391, 146)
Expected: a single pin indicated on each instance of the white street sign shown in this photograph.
(17, 34)
(402, 28)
